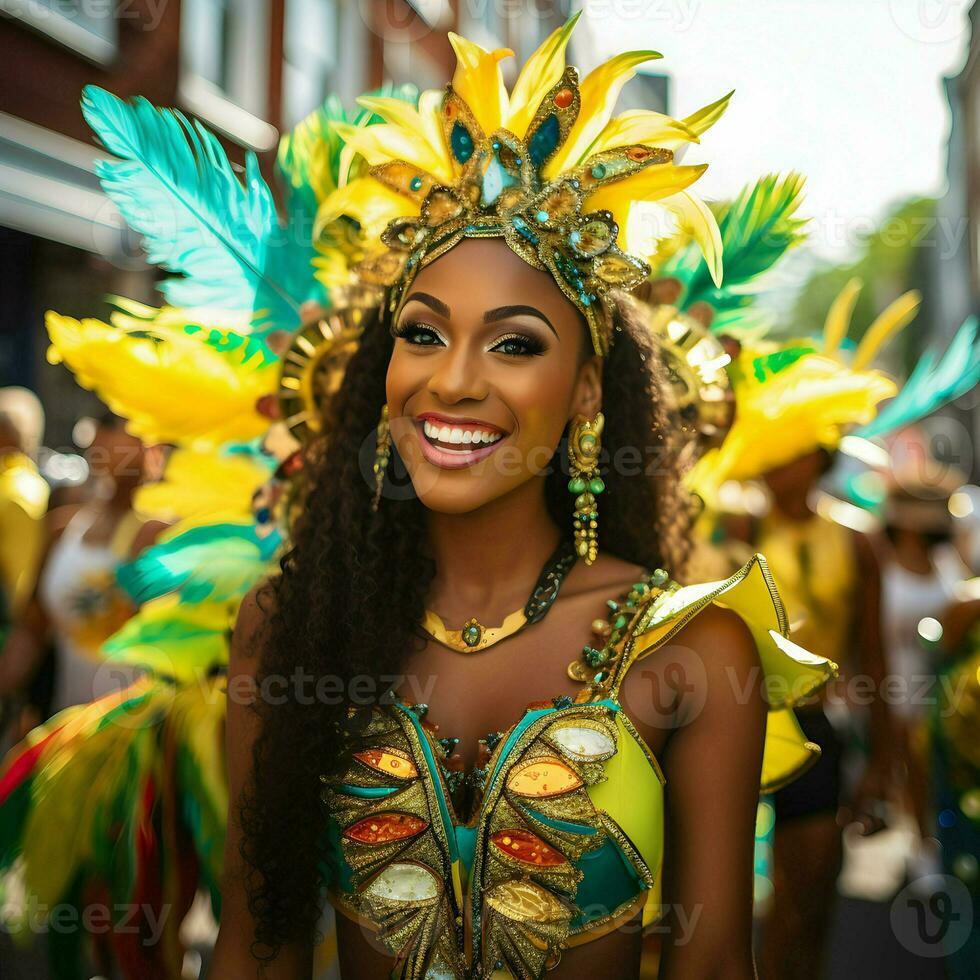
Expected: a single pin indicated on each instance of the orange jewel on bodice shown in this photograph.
(527, 848)
(389, 761)
(543, 777)
(383, 828)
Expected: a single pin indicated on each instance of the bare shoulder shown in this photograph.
(251, 625)
(721, 640)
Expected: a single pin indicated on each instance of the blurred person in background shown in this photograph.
(829, 578)
(77, 602)
(23, 499)
(919, 582)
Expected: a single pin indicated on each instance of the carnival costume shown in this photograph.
(569, 812)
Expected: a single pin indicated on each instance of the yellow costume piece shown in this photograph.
(23, 504)
(571, 803)
(814, 563)
(801, 396)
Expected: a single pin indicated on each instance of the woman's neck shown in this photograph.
(487, 560)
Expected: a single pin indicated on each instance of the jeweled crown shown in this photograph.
(546, 169)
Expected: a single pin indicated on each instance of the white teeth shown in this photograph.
(458, 436)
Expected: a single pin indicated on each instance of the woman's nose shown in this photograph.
(457, 375)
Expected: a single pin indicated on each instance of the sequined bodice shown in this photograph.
(565, 839)
(494, 863)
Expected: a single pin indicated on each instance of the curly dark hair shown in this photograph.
(352, 590)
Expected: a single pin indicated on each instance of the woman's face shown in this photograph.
(489, 364)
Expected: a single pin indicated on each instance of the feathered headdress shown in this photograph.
(801, 396)
(546, 168)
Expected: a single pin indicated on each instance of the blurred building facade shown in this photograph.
(953, 284)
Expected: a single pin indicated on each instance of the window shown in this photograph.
(224, 75)
(86, 27)
(310, 56)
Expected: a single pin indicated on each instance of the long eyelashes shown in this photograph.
(513, 344)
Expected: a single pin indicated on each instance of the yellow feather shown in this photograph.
(367, 201)
(598, 93)
(707, 116)
(892, 319)
(539, 75)
(839, 316)
(642, 126)
(697, 219)
(200, 487)
(171, 386)
(423, 121)
(479, 82)
(651, 184)
(384, 142)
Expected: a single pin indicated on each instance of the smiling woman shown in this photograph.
(569, 797)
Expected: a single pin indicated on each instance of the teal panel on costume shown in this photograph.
(609, 883)
(435, 781)
(466, 843)
(367, 792)
(565, 825)
(334, 869)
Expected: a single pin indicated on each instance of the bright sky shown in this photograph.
(847, 91)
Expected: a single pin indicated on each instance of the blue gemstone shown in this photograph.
(495, 179)
(598, 171)
(462, 143)
(542, 216)
(495, 145)
(544, 141)
(522, 227)
(263, 515)
(415, 183)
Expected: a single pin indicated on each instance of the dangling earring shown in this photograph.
(584, 444)
(382, 454)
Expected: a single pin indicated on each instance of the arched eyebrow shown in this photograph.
(427, 299)
(491, 316)
(503, 312)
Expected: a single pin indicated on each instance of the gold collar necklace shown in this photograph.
(474, 636)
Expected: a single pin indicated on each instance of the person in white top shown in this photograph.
(77, 603)
(919, 582)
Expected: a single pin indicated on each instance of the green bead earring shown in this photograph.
(584, 444)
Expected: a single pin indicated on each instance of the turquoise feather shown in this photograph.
(936, 381)
(175, 186)
(212, 563)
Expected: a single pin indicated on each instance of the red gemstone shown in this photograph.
(563, 98)
(527, 848)
(637, 153)
(383, 828)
